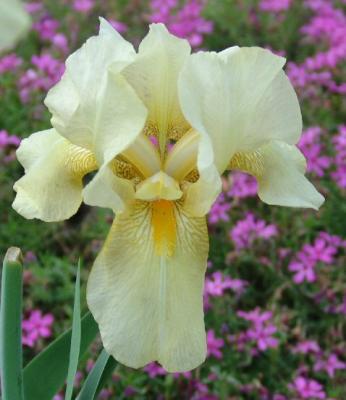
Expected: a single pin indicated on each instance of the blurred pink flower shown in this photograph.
(8, 140)
(307, 388)
(36, 326)
(247, 230)
(339, 142)
(312, 148)
(330, 365)
(83, 6)
(274, 6)
(185, 22)
(10, 62)
(46, 27)
(121, 27)
(47, 72)
(306, 347)
(153, 370)
(219, 210)
(217, 283)
(214, 345)
(241, 185)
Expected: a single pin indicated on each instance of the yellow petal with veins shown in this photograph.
(149, 306)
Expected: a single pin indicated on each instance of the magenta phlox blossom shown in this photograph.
(247, 230)
(240, 185)
(261, 330)
(214, 345)
(8, 140)
(10, 63)
(46, 73)
(274, 6)
(339, 173)
(83, 6)
(35, 327)
(307, 388)
(323, 250)
(185, 22)
(153, 370)
(306, 347)
(312, 148)
(218, 283)
(329, 365)
(46, 28)
(219, 210)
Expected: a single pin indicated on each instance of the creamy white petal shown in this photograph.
(93, 106)
(239, 99)
(51, 188)
(279, 169)
(14, 23)
(154, 76)
(109, 191)
(149, 304)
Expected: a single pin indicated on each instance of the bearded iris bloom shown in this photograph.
(208, 112)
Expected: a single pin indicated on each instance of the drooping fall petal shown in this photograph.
(145, 288)
(51, 188)
(279, 169)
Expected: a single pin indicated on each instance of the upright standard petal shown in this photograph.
(93, 106)
(154, 76)
(279, 169)
(14, 23)
(51, 188)
(239, 99)
(145, 289)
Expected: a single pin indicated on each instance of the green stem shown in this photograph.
(11, 326)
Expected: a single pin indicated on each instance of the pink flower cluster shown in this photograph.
(274, 6)
(219, 210)
(240, 185)
(246, 231)
(311, 146)
(35, 327)
(339, 142)
(47, 29)
(307, 388)
(8, 140)
(48, 71)
(328, 26)
(260, 333)
(10, 63)
(323, 250)
(7, 144)
(214, 345)
(185, 22)
(218, 283)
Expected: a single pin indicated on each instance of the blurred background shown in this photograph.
(275, 293)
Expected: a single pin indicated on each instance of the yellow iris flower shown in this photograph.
(209, 112)
(14, 23)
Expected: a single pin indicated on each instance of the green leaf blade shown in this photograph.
(51, 365)
(101, 371)
(75, 339)
(11, 326)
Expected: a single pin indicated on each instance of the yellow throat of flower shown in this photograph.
(164, 226)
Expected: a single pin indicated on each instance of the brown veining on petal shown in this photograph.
(80, 161)
(124, 169)
(192, 177)
(250, 162)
